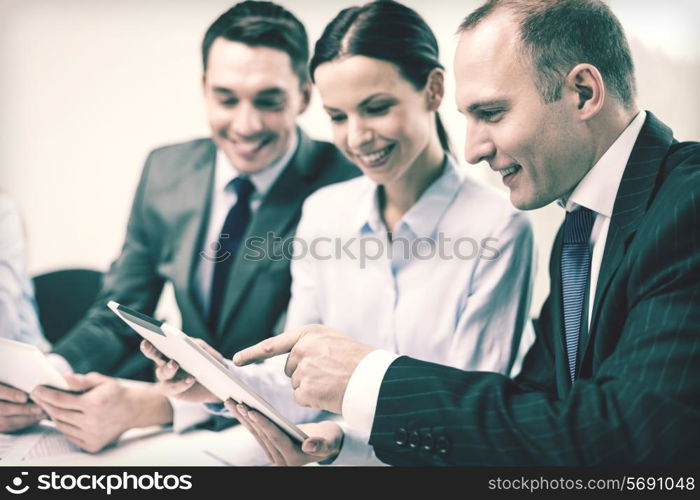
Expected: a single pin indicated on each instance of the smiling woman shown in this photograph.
(382, 123)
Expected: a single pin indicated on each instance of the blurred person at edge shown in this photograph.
(18, 313)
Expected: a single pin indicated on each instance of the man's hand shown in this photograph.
(175, 382)
(16, 411)
(320, 363)
(103, 410)
(324, 441)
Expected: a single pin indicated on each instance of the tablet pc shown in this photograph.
(24, 366)
(208, 371)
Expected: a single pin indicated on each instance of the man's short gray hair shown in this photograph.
(559, 34)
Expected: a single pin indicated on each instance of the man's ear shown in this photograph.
(435, 89)
(585, 87)
(306, 90)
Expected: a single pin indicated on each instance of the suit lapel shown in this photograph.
(191, 232)
(276, 213)
(631, 203)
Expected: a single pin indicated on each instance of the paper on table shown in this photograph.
(6, 443)
(39, 442)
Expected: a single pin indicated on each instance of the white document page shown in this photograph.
(38, 442)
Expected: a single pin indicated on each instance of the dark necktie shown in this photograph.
(575, 270)
(229, 240)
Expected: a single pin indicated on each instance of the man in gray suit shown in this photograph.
(196, 206)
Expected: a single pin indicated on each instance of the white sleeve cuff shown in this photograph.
(355, 450)
(362, 392)
(186, 414)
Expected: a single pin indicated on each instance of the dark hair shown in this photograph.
(559, 34)
(262, 24)
(388, 31)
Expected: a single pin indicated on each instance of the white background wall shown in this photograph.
(88, 87)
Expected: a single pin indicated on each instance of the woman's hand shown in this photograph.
(324, 441)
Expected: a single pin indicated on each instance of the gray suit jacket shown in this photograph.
(165, 234)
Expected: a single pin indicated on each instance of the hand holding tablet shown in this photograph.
(209, 372)
(175, 382)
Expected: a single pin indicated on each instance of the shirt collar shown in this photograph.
(424, 216)
(598, 188)
(368, 213)
(262, 180)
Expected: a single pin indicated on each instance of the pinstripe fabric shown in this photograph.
(636, 399)
(575, 269)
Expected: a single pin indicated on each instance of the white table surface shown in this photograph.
(150, 447)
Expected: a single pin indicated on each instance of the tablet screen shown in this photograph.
(142, 320)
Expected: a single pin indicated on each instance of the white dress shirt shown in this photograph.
(464, 306)
(222, 199)
(596, 191)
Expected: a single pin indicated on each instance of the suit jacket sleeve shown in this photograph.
(101, 341)
(641, 405)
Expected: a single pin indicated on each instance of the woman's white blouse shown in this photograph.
(453, 286)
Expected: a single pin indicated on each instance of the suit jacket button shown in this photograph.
(414, 440)
(428, 442)
(443, 445)
(401, 437)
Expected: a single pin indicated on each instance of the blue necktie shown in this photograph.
(229, 240)
(575, 269)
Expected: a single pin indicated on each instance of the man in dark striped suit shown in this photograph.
(548, 91)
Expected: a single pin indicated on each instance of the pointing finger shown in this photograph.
(268, 348)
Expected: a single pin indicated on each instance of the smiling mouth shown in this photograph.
(376, 158)
(506, 172)
(248, 148)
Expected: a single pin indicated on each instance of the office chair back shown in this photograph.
(63, 298)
